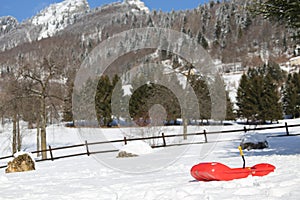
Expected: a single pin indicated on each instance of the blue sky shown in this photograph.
(23, 9)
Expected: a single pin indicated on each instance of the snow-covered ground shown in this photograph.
(162, 174)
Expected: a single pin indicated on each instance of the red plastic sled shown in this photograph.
(214, 171)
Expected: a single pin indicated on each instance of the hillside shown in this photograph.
(64, 34)
(226, 29)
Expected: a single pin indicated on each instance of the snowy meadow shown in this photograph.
(162, 173)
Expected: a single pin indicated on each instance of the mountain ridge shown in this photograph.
(227, 29)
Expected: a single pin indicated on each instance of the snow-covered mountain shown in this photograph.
(140, 6)
(45, 24)
(7, 24)
(57, 16)
(227, 30)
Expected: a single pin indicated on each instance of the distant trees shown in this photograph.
(145, 96)
(149, 95)
(283, 11)
(258, 96)
(202, 41)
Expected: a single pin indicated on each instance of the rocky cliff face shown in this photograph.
(7, 24)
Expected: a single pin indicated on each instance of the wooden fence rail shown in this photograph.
(163, 137)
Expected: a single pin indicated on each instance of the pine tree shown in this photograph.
(258, 98)
(255, 92)
(201, 90)
(204, 43)
(245, 102)
(271, 108)
(118, 97)
(291, 99)
(229, 108)
(103, 101)
(218, 30)
(138, 105)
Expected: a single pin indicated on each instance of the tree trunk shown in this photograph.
(38, 136)
(43, 128)
(14, 138)
(185, 124)
(19, 139)
(185, 120)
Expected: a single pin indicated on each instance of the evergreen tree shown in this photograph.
(291, 99)
(258, 98)
(204, 100)
(218, 30)
(103, 101)
(137, 103)
(118, 99)
(229, 108)
(246, 103)
(271, 108)
(148, 95)
(201, 90)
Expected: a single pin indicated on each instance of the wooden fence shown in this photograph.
(163, 137)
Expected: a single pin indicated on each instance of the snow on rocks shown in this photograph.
(254, 141)
(22, 153)
(135, 148)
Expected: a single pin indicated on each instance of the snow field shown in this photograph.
(92, 178)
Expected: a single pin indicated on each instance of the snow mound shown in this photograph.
(254, 141)
(254, 138)
(137, 148)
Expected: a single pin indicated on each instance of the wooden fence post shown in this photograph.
(87, 148)
(205, 137)
(164, 139)
(51, 154)
(287, 129)
(125, 141)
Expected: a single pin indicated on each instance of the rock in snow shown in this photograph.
(135, 148)
(21, 163)
(254, 141)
